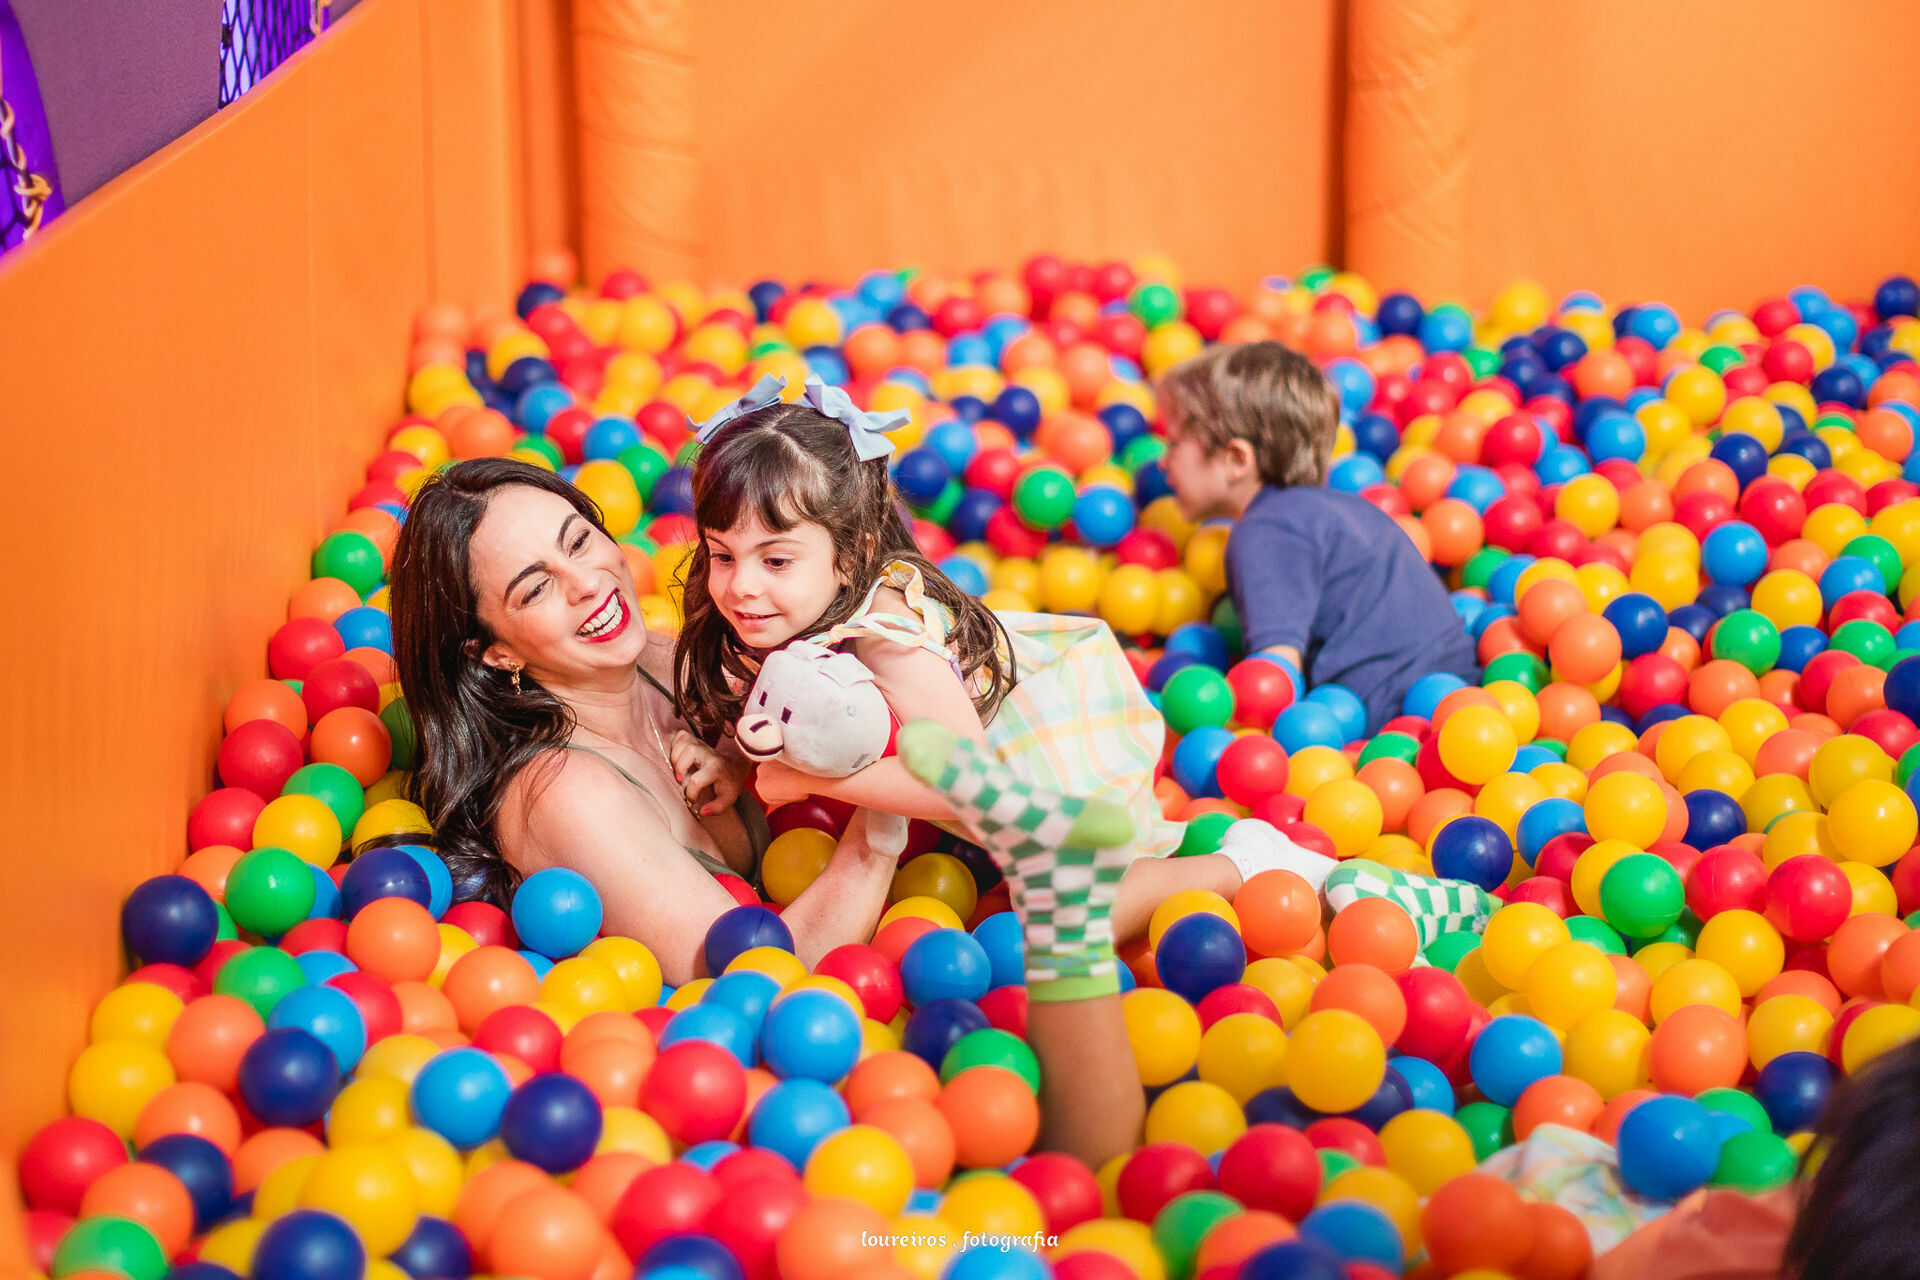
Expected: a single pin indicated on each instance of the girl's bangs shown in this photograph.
(781, 490)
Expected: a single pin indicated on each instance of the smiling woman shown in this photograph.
(548, 736)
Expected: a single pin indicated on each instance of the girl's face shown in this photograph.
(771, 586)
(556, 592)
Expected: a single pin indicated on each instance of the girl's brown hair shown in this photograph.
(788, 465)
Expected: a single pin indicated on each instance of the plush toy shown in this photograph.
(821, 712)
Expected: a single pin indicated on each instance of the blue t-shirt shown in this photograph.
(1333, 576)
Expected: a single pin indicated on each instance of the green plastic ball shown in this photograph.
(1391, 745)
(1754, 1162)
(118, 1246)
(1196, 696)
(646, 464)
(269, 891)
(1483, 361)
(1153, 304)
(1204, 834)
(992, 1047)
(1866, 640)
(1314, 279)
(351, 557)
(333, 787)
(406, 743)
(1554, 745)
(1334, 1163)
(262, 976)
(1142, 450)
(1044, 497)
(1596, 932)
(1488, 1124)
(1904, 767)
(1179, 1227)
(1844, 421)
(1748, 638)
(1478, 570)
(1879, 553)
(1720, 357)
(227, 930)
(539, 444)
(1641, 895)
(941, 509)
(1449, 949)
(688, 454)
(1734, 1102)
(1522, 668)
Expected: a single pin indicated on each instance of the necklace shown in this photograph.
(665, 758)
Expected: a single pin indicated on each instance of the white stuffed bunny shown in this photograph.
(822, 712)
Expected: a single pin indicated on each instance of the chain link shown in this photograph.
(30, 189)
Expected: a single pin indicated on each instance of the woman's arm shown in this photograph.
(584, 817)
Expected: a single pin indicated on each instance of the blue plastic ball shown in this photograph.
(434, 1250)
(1349, 713)
(1713, 818)
(1510, 1053)
(1356, 1231)
(535, 406)
(1903, 688)
(1846, 574)
(791, 1118)
(309, 1245)
(608, 438)
(717, 1024)
(1794, 1089)
(289, 1077)
(1196, 758)
(965, 574)
(921, 474)
(1279, 1106)
(701, 1257)
(552, 1121)
(318, 965)
(937, 1026)
(1399, 313)
(1018, 410)
(1896, 296)
(1202, 640)
(1733, 552)
(1799, 645)
(1308, 724)
(1668, 1147)
(748, 993)
(556, 912)
(1743, 454)
(1199, 953)
(1125, 424)
(461, 1094)
(439, 879)
(1474, 849)
(944, 964)
(330, 1016)
(1294, 1260)
(1424, 695)
(1001, 936)
(1389, 1100)
(1545, 819)
(1427, 1085)
(705, 1155)
(1166, 666)
(1102, 515)
(365, 627)
(1617, 435)
(384, 873)
(814, 1035)
(955, 443)
(741, 930)
(203, 1169)
(170, 920)
(996, 1262)
(1696, 620)
(976, 507)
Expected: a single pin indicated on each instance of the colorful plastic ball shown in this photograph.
(1196, 759)
(1641, 895)
(328, 1015)
(556, 912)
(814, 1035)
(552, 1121)
(1510, 1053)
(739, 931)
(113, 1246)
(435, 1247)
(1473, 849)
(1335, 1060)
(696, 1090)
(1252, 768)
(169, 920)
(1199, 953)
(711, 1023)
(202, 1168)
(1668, 1147)
(945, 964)
(384, 873)
(1794, 1088)
(308, 1244)
(791, 1118)
(1295, 1260)
(461, 1094)
(1195, 696)
(1357, 1232)
(1308, 724)
(63, 1159)
(289, 1077)
(1807, 898)
(1477, 743)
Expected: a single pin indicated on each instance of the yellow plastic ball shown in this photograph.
(1626, 806)
(635, 966)
(1789, 1023)
(231, 1244)
(399, 1056)
(633, 1130)
(1841, 762)
(1516, 936)
(1286, 984)
(990, 1204)
(1131, 1242)
(1697, 392)
(1568, 981)
(434, 1165)
(942, 915)
(1590, 502)
(370, 1189)
(1610, 1050)
(1349, 812)
(1692, 982)
(1683, 739)
(113, 1080)
(1069, 580)
(1164, 1032)
(1129, 599)
(1873, 822)
(1203, 1115)
(1386, 1191)
(1168, 345)
(1427, 1148)
(1876, 1031)
(1749, 722)
(777, 963)
(369, 1110)
(1244, 1053)
(793, 861)
(940, 876)
(1335, 1060)
(142, 1012)
(864, 1164)
(1477, 744)
(584, 986)
(1591, 867)
(1772, 796)
(303, 825)
(390, 818)
(1745, 945)
(1311, 768)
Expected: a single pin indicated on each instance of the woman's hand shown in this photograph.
(701, 770)
(776, 783)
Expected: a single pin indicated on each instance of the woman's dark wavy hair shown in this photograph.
(475, 733)
(1860, 1216)
(789, 464)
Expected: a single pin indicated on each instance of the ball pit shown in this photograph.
(1689, 559)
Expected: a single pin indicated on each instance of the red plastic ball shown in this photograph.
(1009, 536)
(1274, 1168)
(1835, 486)
(173, 977)
(300, 645)
(1555, 539)
(339, 682)
(1559, 854)
(873, 977)
(63, 1159)
(373, 997)
(1155, 1174)
(1808, 897)
(666, 1200)
(1261, 691)
(260, 756)
(1253, 766)
(321, 934)
(696, 1090)
(1439, 1011)
(1511, 522)
(1006, 1008)
(224, 816)
(1817, 677)
(1348, 1136)
(1774, 508)
(1553, 894)
(1890, 729)
(1650, 680)
(1066, 1190)
(1727, 878)
(1235, 997)
(485, 923)
(1514, 438)
(524, 1032)
(1702, 511)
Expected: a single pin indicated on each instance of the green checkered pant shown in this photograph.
(1437, 906)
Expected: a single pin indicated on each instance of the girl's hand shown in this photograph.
(701, 770)
(778, 783)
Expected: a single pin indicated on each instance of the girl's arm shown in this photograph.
(919, 685)
(581, 816)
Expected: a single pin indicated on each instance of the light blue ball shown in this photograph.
(556, 912)
(793, 1117)
(461, 1094)
(813, 1035)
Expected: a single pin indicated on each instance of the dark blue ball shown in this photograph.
(1150, 482)
(537, 295)
(763, 294)
(1794, 1089)
(1199, 953)
(907, 317)
(1294, 1260)
(1473, 849)
(203, 1169)
(1640, 620)
(1614, 715)
(525, 372)
(309, 1245)
(673, 492)
(1808, 446)
(383, 873)
(1798, 645)
(1165, 666)
(477, 371)
(435, 1250)
(1280, 1106)
(1659, 715)
(1375, 434)
(937, 1026)
(921, 474)
(1897, 296)
(698, 1253)
(1838, 383)
(741, 930)
(970, 516)
(1696, 620)
(1903, 688)
(1399, 313)
(1591, 410)
(288, 1077)
(1389, 1100)
(1125, 424)
(1746, 456)
(1018, 410)
(552, 1121)
(968, 409)
(1722, 598)
(1713, 818)
(1560, 348)
(169, 920)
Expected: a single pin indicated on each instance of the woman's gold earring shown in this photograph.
(515, 673)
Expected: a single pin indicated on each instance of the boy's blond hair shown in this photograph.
(1265, 393)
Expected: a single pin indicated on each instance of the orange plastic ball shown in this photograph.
(395, 939)
(1857, 949)
(488, 979)
(1425, 480)
(548, 1233)
(830, 1238)
(1376, 932)
(272, 700)
(190, 1107)
(889, 1077)
(1855, 691)
(924, 1134)
(993, 1114)
(1562, 1100)
(1719, 684)
(1565, 709)
(1365, 990)
(1398, 786)
(1454, 531)
(322, 598)
(1697, 1048)
(1547, 606)
(355, 739)
(146, 1194)
(1476, 1219)
(1562, 1249)
(1585, 648)
(1279, 913)
(266, 1151)
(210, 1037)
(482, 1198)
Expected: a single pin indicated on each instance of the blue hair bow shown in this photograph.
(866, 430)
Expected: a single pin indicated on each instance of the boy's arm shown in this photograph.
(1286, 651)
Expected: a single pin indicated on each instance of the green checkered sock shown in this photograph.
(1437, 906)
(1063, 857)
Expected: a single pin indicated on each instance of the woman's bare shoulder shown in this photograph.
(552, 790)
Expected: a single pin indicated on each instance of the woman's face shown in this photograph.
(556, 592)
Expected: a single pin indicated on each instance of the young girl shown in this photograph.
(801, 536)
